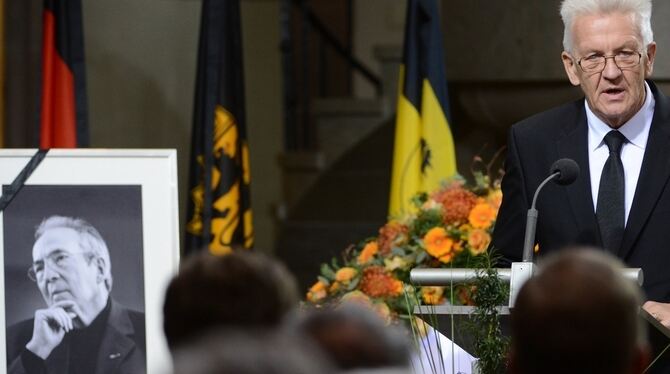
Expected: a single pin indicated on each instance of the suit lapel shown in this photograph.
(574, 145)
(653, 174)
(116, 344)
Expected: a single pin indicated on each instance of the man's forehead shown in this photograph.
(588, 26)
(592, 40)
(62, 239)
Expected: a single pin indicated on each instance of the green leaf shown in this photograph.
(421, 256)
(353, 284)
(398, 251)
(327, 271)
(323, 280)
(419, 199)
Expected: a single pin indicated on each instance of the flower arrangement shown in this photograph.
(450, 227)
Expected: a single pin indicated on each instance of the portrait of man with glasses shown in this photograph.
(80, 327)
(619, 135)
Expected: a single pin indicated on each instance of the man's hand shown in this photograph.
(50, 327)
(660, 311)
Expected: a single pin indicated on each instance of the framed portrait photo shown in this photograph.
(89, 244)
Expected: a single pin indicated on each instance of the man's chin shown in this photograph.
(615, 117)
(61, 296)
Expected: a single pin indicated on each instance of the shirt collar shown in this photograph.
(636, 130)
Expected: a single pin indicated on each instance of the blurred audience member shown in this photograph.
(245, 352)
(242, 289)
(578, 315)
(355, 337)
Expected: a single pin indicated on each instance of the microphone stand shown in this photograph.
(524, 270)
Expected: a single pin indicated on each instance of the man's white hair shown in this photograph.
(90, 240)
(571, 9)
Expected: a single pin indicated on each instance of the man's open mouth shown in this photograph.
(614, 91)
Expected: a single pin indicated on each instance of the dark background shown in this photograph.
(115, 211)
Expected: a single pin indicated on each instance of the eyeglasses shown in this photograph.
(597, 63)
(59, 260)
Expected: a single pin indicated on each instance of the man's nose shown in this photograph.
(50, 271)
(611, 70)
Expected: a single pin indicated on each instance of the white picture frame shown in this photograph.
(115, 184)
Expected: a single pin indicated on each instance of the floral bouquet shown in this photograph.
(450, 227)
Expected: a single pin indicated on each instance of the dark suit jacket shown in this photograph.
(123, 348)
(566, 214)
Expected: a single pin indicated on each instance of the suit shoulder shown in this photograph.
(552, 119)
(136, 317)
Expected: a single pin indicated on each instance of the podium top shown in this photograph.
(654, 322)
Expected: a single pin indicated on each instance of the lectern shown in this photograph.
(450, 317)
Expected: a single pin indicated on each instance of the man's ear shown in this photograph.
(100, 267)
(571, 67)
(651, 55)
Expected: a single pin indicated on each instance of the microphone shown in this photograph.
(567, 170)
(563, 172)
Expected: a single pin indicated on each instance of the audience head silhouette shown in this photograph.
(250, 352)
(242, 289)
(578, 315)
(355, 337)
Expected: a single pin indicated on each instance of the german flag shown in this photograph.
(63, 111)
(219, 209)
(423, 154)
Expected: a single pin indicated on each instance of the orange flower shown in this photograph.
(457, 203)
(345, 274)
(482, 216)
(389, 234)
(334, 287)
(376, 282)
(478, 240)
(432, 295)
(447, 258)
(317, 292)
(368, 252)
(438, 244)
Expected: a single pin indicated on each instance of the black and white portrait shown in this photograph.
(74, 294)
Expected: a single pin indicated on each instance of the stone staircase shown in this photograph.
(340, 193)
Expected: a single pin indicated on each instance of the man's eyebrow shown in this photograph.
(55, 251)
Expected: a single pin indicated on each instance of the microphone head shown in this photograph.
(568, 171)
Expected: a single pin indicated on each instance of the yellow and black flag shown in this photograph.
(423, 153)
(219, 209)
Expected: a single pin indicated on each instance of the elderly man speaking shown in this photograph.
(618, 134)
(81, 329)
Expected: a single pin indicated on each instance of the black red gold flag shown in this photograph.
(219, 209)
(424, 152)
(63, 109)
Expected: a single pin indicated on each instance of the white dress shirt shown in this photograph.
(636, 131)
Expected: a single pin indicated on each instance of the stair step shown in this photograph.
(346, 106)
(343, 122)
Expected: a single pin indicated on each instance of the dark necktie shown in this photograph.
(610, 208)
